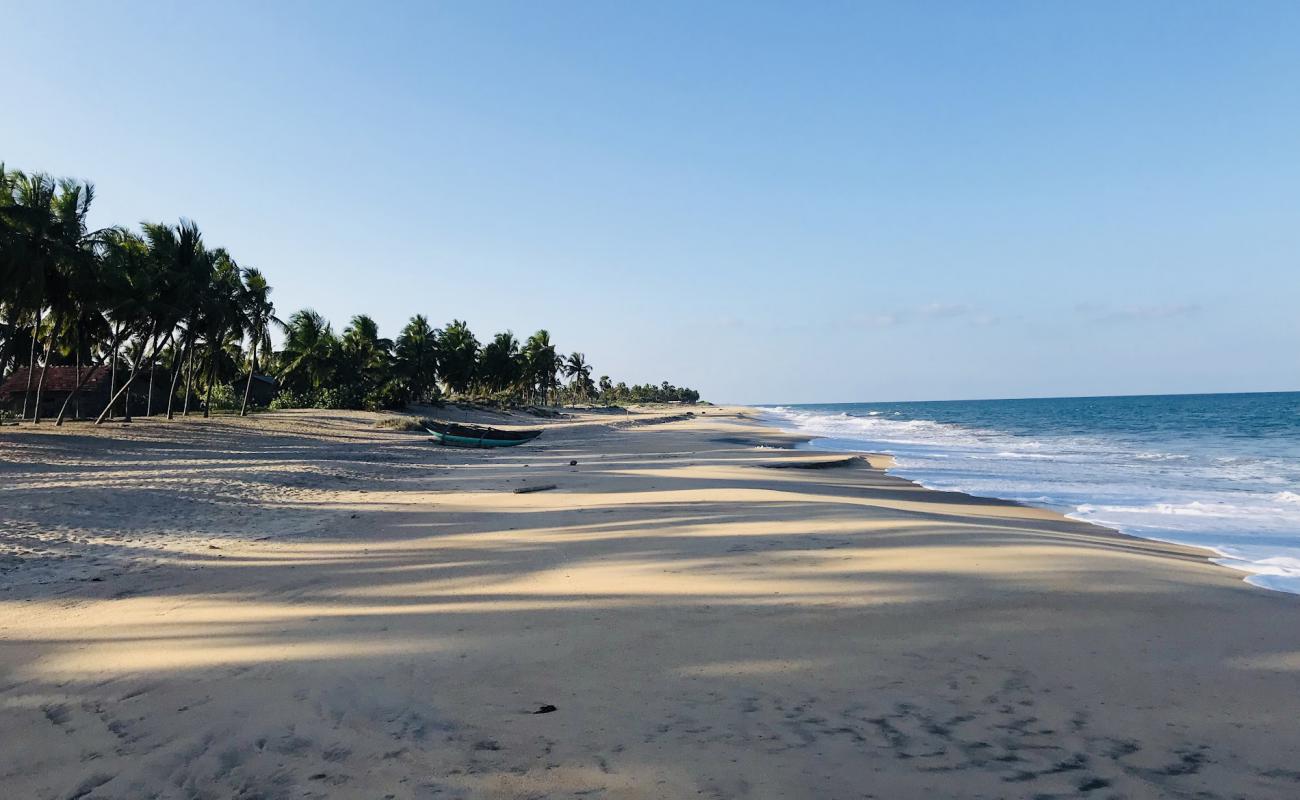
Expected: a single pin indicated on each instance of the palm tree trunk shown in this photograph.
(252, 367)
(135, 372)
(189, 382)
(148, 403)
(126, 417)
(176, 373)
(212, 378)
(148, 400)
(73, 393)
(82, 380)
(112, 380)
(40, 385)
(112, 372)
(153, 364)
(31, 362)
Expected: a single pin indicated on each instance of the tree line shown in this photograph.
(156, 306)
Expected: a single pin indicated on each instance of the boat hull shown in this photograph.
(484, 441)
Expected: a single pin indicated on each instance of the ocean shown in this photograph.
(1219, 471)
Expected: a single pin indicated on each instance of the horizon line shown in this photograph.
(1032, 397)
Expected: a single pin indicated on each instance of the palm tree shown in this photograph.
(15, 266)
(578, 371)
(500, 365)
(259, 313)
(29, 259)
(307, 359)
(363, 348)
(195, 269)
(12, 330)
(366, 359)
(123, 285)
(69, 265)
(457, 356)
(90, 328)
(541, 364)
(174, 271)
(9, 264)
(13, 337)
(159, 299)
(223, 313)
(416, 358)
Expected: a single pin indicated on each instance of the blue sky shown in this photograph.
(770, 202)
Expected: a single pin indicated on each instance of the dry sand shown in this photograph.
(301, 605)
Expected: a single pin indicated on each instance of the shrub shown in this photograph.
(224, 398)
(288, 399)
(404, 424)
(392, 396)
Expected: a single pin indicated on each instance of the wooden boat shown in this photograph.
(454, 435)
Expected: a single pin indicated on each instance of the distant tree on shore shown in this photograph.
(500, 364)
(176, 324)
(541, 365)
(259, 312)
(457, 357)
(417, 359)
(578, 371)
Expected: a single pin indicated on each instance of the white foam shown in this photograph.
(1229, 503)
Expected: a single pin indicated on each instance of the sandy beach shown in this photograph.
(306, 605)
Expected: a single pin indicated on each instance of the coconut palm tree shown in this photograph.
(416, 358)
(500, 365)
(541, 364)
(457, 356)
(69, 271)
(122, 286)
(308, 357)
(15, 332)
(29, 258)
(194, 268)
(159, 299)
(89, 327)
(578, 371)
(259, 314)
(223, 314)
(173, 273)
(365, 360)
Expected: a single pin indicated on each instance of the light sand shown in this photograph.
(301, 605)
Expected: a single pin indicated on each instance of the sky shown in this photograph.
(770, 202)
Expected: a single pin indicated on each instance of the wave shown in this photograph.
(1158, 483)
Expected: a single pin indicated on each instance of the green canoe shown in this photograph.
(453, 435)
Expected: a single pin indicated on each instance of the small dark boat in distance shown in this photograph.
(455, 435)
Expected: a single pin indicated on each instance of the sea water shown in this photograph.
(1219, 471)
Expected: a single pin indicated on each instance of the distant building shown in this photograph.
(263, 392)
(94, 394)
(59, 383)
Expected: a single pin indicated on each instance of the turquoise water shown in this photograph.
(1220, 471)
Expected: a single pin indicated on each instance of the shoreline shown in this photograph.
(1249, 572)
(306, 604)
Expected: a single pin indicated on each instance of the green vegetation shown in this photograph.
(158, 307)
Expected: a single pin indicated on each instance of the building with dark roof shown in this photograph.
(61, 381)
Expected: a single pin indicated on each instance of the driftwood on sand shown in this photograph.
(539, 488)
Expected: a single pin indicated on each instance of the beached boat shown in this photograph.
(453, 435)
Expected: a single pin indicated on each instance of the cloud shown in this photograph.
(1150, 313)
(877, 320)
(930, 312)
(944, 310)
